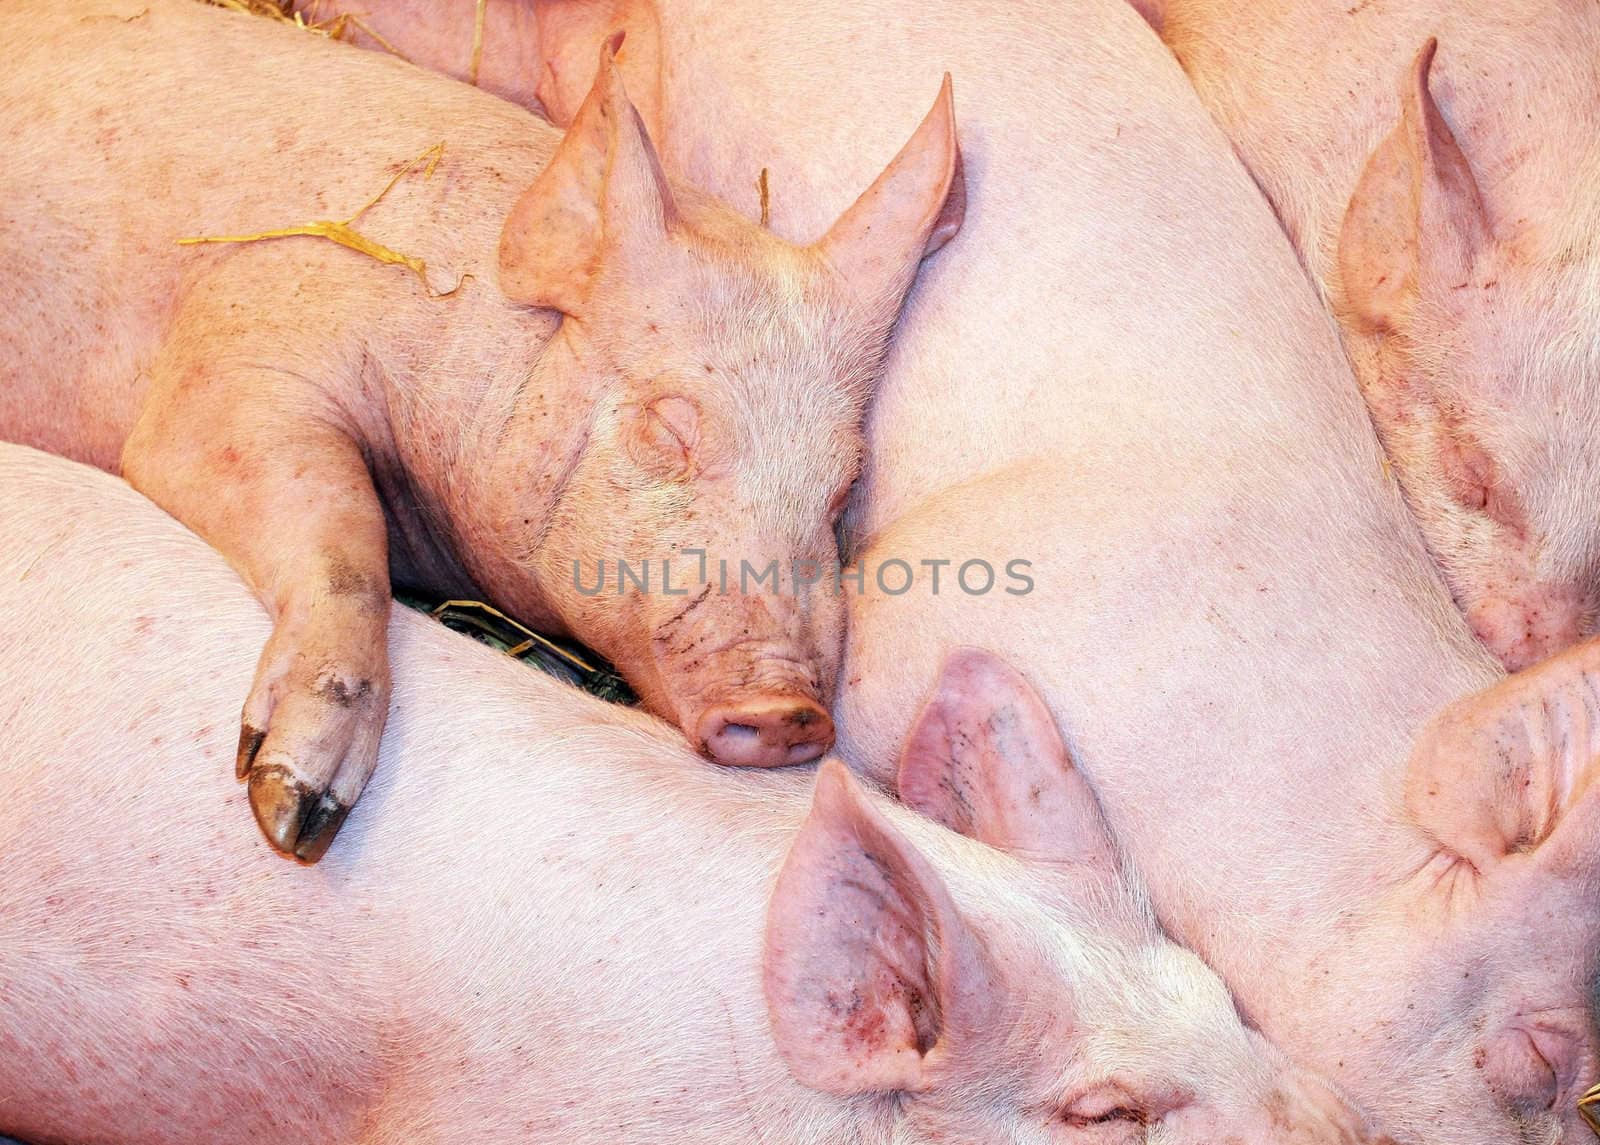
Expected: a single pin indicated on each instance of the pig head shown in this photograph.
(1467, 269)
(1475, 967)
(688, 534)
(1041, 1003)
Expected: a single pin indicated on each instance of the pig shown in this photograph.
(510, 44)
(549, 920)
(500, 56)
(622, 369)
(1433, 163)
(1122, 375)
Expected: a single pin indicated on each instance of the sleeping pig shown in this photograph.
(1435, 164)
(549, 922)
(493, 45)
(584, 363)
(1121, 374)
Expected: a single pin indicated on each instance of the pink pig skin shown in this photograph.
(512, 60)
(1121, 374)
(1435, 164)
(549, 921)
(622, 369)
(439, 35)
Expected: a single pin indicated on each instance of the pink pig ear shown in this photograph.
(604, 189)
(1416, 221)
(985, 759)
(870, 971)
(913, 209)
(1512, 770)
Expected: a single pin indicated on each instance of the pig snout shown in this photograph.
(760, 698)
(765, 732)
(761, 707)
(1531, 624)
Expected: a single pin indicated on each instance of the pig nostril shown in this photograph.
(805, 752)
(770, 733)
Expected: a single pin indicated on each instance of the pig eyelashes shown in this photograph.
(840, 500)
(1111, 1114)
(1474, 480)
(666, 437)
(1119, 1125)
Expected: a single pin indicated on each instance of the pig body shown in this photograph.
(546, 920)
(1121, 375)
(529, 52)
(619, 370)
(1433, 163)
(501, 56)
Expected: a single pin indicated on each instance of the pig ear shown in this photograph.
(1416, 219)
(1511, 771)
(870, 972)
(985, 759)
(913, 209)
(604, 189)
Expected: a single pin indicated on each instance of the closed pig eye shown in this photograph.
(1117, 1127)
(840, 499)
(1106, 1117)
(666, 437)
(1475, 481)
(1520, 1070)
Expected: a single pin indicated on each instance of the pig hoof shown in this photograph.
(278, 800)
(766, 733)
(309, 740)
(296, 820)
(321, 823)
(250, 740)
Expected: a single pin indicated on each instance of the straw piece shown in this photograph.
(271, 9)
(331, 27)
(562, 659)
(1589, 1109)
(477, 41)
(342, 231)
(340, 21)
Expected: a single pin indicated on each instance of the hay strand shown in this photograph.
(330, 27)
(271, 9)
(562, 659)
(477, 41)
(1589, 1109)
(339, 23)
(343, 232)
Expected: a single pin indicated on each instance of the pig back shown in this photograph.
(1099, 278)
(1229, 606)
(543, 886)
(134, 125)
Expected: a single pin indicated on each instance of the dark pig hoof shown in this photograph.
(322, 821)
(250, 741)
(296, 820)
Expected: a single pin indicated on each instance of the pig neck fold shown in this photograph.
(519, 430)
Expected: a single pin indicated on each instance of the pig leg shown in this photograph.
(259, 459)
